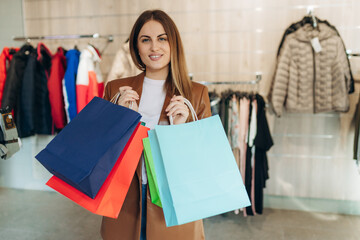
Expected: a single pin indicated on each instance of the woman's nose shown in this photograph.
(154, 45)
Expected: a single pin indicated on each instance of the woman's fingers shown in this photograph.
(126, 99)
(179, 112)
(178, 98)
(131, 94)
(127, 95)
(124, 88)
(174, 100)
(177, 108)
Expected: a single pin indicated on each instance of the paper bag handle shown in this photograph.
(193, 113)
(115, 99)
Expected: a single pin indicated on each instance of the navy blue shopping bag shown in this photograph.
(85, 151)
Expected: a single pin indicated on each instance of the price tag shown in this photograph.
(315, 43)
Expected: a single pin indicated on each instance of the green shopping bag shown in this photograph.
(150, 170)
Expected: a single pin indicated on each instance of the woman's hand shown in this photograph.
(177, 109)
(127, 95)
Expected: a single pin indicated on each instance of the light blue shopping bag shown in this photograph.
(196, 171)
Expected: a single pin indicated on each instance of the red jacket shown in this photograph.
(58, 66)
(5, 59)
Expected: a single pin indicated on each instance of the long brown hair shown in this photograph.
(177, 80)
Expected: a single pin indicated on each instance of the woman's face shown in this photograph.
(154, 48)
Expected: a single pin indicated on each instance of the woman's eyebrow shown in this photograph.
(149, 36)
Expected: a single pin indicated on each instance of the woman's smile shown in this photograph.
(155, 57)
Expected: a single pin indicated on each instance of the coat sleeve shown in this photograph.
(281, 79)
(107, 92)
(203, 109)
(342, 56)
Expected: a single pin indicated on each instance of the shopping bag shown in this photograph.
(85, 151)
(151, 175)
(196, 171)
(111, 196)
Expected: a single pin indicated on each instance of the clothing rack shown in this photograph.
(350, 53)
(59, 37)
(258, 77)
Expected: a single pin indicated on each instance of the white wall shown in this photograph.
(11, 22)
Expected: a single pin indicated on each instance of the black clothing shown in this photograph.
(14, 77)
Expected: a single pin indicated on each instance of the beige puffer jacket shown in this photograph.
(306, 81)
(123, 65)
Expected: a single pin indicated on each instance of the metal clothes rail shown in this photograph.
(350, 53)
(60, 37)
(256, 81)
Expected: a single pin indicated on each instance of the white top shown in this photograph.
(151, 104)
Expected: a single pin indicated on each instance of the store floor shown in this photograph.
(41, 215)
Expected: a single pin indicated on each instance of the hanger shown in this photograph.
(311, 18)
(76, 45)
(12, 51)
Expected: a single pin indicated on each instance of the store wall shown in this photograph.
(225, 40)
(11, 22)
(231, 40)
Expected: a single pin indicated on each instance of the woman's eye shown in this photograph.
(144, 40)
(162, 39)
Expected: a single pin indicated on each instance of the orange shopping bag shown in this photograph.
(111, 195)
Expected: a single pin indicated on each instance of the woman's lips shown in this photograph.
(155, 57)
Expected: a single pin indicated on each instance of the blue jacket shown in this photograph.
(69, 83)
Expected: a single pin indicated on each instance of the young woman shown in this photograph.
(156, 93)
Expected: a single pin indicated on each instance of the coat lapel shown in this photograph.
(137, 85)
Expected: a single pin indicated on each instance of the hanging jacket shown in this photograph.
(24, 112)
(307, 19)
(89, 82)
(14, 77)
(5, 59)
(69, 83)
(58, 66)
(306, 81)
(356, 148)
(34, 112)
(42, 102)
(123, 65)
(262, 143)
